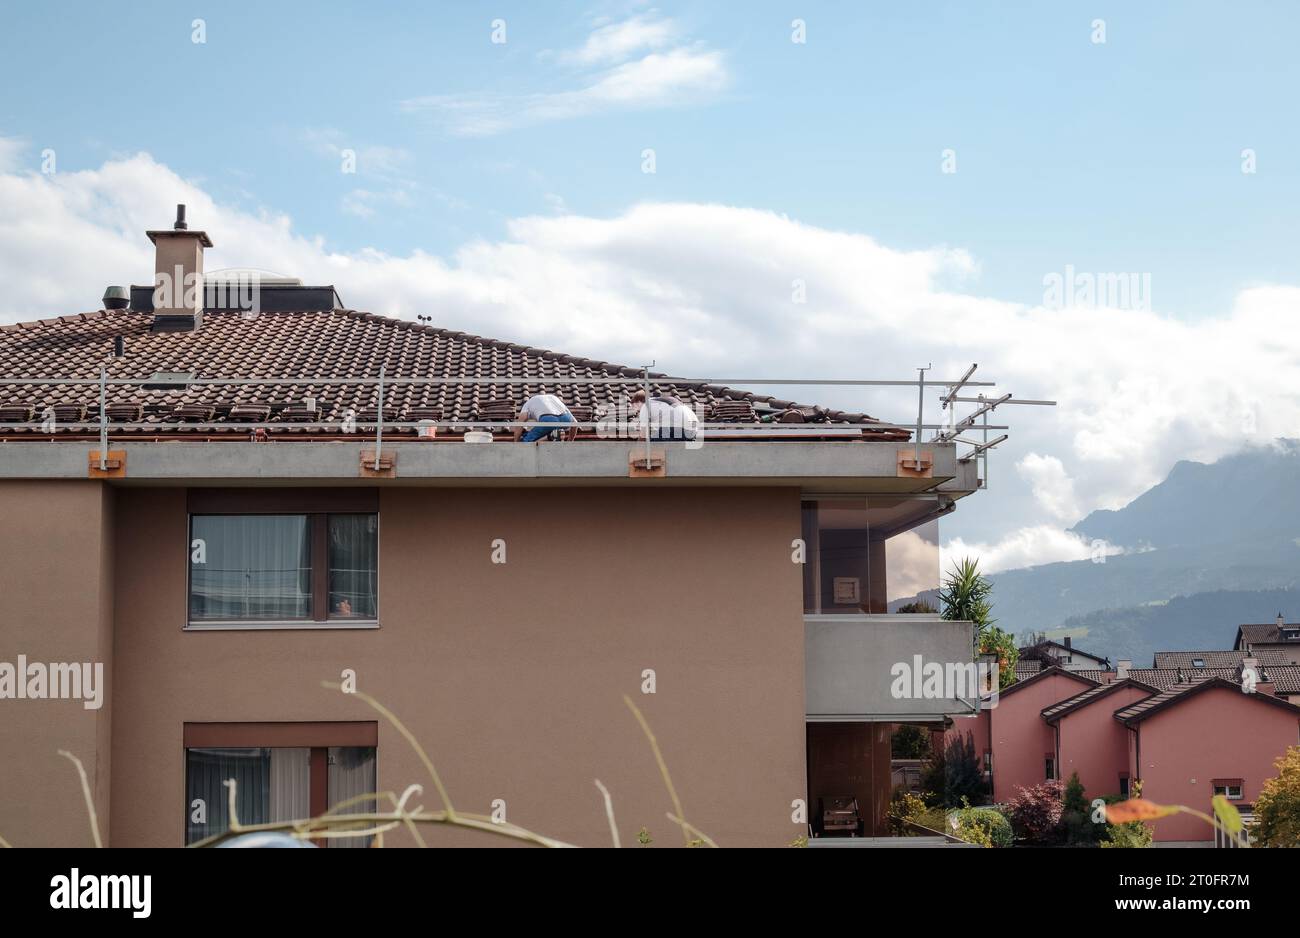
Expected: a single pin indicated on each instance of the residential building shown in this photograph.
(1203, 738)
(1186, 732)
(1018, 747)
(1281, 637)
(1064, 654)
(226, 505)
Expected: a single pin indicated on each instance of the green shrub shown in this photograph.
(984, 826)
(904, 807)
(1131, 834)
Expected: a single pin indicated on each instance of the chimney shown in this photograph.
(1280, 621)
(1067, 641)
(1122, 668)
(1263, 683)
(178, 276)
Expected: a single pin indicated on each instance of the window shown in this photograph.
(305, 568)
(1123, 786)
(872, 554)
(1049, 768)
(1198, 662)
(1229, 788)
(988, 762)
(277, 782)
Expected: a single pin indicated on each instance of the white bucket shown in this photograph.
(427, 429)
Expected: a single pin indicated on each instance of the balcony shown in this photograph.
(888, 668)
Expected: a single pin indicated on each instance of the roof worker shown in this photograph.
(668, 417)
(543, 408)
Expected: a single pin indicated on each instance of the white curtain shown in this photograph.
(351, 773)
(252, 567)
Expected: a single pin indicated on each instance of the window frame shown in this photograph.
(1227, 785)
(317, 506)
(318, 737)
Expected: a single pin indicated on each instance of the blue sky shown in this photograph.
(499, 186)
(1116, 157)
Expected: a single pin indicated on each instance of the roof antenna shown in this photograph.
(180, 219)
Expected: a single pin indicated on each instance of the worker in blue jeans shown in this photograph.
(542, 408)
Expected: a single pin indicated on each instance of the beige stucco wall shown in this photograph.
(56, 579)
(511, 675)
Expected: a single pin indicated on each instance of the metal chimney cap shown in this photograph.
(180, 219)
(116, 297)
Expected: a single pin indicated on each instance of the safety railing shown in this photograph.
(953, 429)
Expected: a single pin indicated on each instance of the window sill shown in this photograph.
(272, 625)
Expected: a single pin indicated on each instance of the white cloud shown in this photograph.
(615, 42)
(1026, 547)
(1051, 484)
(673, 73)
(705, 290)
(11, 152)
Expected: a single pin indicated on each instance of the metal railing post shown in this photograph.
(645, 409)
(920, 414)
(379, 424)
(103, 419)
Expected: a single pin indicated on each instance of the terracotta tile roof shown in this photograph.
(1285, 678)
(1164, 678)
(1267, 634)
(1055, 650)
(1058, 710)
(1045, 673)
(324, 344)
(1027, 669)
(1216, 659)
(1177, 693)
(1093, 674)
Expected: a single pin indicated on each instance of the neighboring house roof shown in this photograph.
(1043, 675)
(1090, 696)
(1179, 693)
(1216, 659)
(1028, 667)
(1095, 674)
(1284, 677)
(320, 344)
(1266, 634)
(1046, 646)
(1164, 678)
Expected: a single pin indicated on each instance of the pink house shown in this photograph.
(1197, 739)
(1090, 742)
(1017, 746)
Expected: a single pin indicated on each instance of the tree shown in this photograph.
(966, 596)
(1277, 809)
(955, 774)
(919, 606)
(1076, 814)
(910, 742)
(994, 641)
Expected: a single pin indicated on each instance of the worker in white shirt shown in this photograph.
(668, 418)
(542, 408)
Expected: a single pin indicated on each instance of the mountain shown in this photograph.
(1200, 622)
(1231, 527)
(1249, 495)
